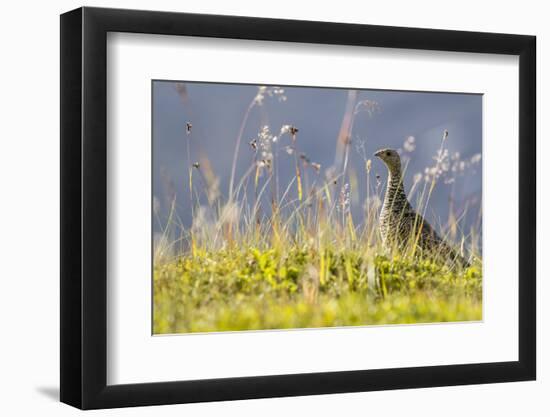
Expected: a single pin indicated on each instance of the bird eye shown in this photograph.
(388, 153)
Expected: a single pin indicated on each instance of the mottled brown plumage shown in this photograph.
(401, 226)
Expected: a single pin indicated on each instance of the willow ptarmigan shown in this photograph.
(400, 225)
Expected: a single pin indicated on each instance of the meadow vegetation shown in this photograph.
(267, 255)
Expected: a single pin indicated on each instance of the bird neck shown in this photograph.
(395, 192)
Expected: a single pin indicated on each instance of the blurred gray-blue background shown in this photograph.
(412, 122)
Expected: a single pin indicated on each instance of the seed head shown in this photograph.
(410, 144)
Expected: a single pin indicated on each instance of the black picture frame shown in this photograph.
(84, 207)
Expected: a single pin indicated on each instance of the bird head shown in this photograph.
(391, 159)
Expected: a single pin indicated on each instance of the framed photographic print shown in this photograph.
(258, 208)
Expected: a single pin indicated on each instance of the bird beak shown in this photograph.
(378, 153)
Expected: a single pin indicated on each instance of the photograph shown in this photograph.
(293, 207)
(264, 206)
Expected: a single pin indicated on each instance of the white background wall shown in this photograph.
(29, 228)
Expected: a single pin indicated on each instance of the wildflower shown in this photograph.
(441, 156)
(263, 142)
(316, 166)
(368, 165)
(289, 150)
(284, 129)
(344, 199)
(196, 165)
(445, 134)
(263, 91)
(253, 144)
(369, 106)
(293, 130)
(277, 92)
(417, 177)
(432, 173)
(475, 159)
(260, 95)
(188, 127)
(409, 145)
(304, 158)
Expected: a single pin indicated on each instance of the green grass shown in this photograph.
(252, 289)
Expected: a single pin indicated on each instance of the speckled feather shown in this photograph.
(401, 225)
